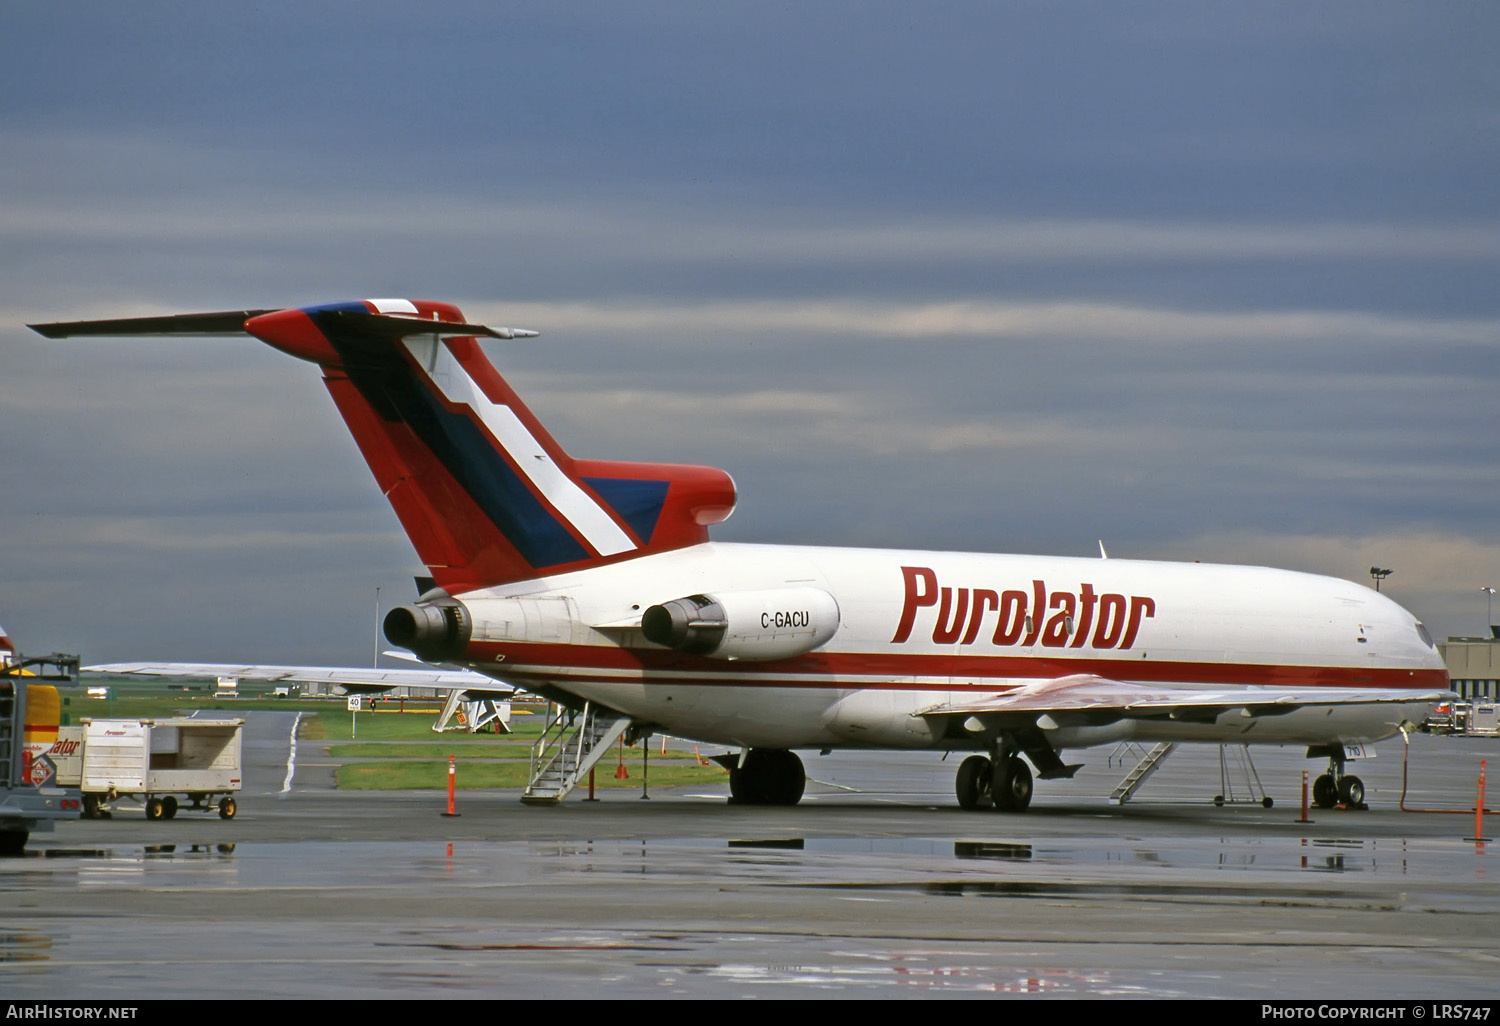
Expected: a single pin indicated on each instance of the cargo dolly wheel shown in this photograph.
(226, 808)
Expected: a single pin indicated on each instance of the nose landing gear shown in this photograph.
(1337, 787)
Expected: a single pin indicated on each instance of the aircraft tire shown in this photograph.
(739, 785)
(1012, 785)
(1325, 792)
(791, 779)
(973, 783)
(770, 776)
(1352, 792)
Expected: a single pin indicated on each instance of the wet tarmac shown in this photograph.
(877, 885)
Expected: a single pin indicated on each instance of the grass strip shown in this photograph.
(412, 775)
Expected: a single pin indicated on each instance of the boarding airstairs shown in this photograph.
(1234, 764)
(1235, 760)
(1148, 765)
(572, 742)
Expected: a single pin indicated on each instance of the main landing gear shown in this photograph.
(1337, 787)
(770, 776)
(1002, 783)
(1002, 780)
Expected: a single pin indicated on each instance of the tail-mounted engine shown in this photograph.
(433, 631)
(775, 623)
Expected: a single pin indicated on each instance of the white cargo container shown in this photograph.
(153, 762)
(1484, 720)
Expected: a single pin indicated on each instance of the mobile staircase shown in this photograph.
(572, 743)
(1234, 760)
(1148, 765)
(1234, 763)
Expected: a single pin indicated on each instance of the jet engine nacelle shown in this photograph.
(434, 631)
(774, 623)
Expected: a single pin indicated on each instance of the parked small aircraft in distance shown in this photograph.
(594, 583)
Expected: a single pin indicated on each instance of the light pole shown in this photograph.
(1489, 602)
(1379, 575)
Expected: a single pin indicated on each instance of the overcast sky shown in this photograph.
(1206, 281)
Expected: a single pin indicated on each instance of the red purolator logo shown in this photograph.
(1052, 617)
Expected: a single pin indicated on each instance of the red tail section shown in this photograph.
(484, 492)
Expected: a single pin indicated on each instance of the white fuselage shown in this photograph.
(774, 647)
(922, 630)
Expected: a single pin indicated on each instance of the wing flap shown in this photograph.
(1099, 696)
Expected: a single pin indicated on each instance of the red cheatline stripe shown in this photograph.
(824, 669)
(564, 677)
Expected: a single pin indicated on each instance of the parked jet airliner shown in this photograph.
(595, 581)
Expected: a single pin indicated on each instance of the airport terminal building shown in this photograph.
(1474, 665)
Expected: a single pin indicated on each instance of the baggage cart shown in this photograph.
(162, 765)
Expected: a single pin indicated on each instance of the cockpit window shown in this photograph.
(1426, 638)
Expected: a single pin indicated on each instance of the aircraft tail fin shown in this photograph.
(485, 493)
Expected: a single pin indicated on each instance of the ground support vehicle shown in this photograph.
(31, 798)
(161, 765)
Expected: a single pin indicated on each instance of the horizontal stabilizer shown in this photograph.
(375, 326)
(391, 327)
(228, 322)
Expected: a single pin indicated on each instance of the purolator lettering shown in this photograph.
(1111, 621)
(921, 590)
(1038, 609)
(1055, 635)
(1086, 600)
(1012, 618)
(946, 631)
(1059, 618)
(1139, 607)
(984, 600)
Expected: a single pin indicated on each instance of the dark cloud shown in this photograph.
(1204, 282)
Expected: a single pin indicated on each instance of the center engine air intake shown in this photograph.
(774, 623)
(433, 631)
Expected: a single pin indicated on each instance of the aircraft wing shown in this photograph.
(1084, 700)
(485, 699)
(365, 678)
(1090, 699)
